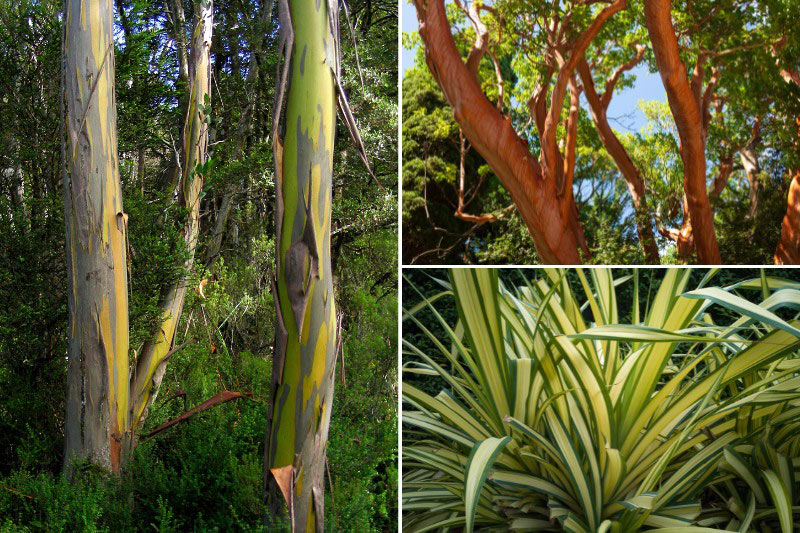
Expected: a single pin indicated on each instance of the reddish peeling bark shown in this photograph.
(492, 135)
(682, 237)
(721, 180)
(550, 155)
(598, 106)
(572, 136)
(788, 250)
(686, 105)
(570, 210)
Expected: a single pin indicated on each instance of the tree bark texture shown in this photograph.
(493, 136)
(788, 250)
(686, 109)
(151, 364)
(97, 372)
(306, 333)
(749, 159)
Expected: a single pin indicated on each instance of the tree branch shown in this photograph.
(217, 399)
(612, 81)
(550, 156)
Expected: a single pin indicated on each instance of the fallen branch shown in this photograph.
(217, 399)
(15, 491)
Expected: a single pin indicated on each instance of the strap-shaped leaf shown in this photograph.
(740, 466)
(480, 461)
(630, 333)
(745, 307)
(780, 498)
(748, 517)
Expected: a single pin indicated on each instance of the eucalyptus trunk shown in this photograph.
(97, 373)
(151, 365)
(306, 334)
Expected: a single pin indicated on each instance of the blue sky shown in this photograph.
(623, 113)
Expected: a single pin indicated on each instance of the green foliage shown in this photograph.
(555, 412)
(204, 473)
(741, 50)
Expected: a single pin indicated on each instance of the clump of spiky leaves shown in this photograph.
(553, 422)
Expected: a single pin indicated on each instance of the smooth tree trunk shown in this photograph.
(536, 195)
(788, 249)
(97, 373)
(687, 112)
(306, 332)
(151, 364)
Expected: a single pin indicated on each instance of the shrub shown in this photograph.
(554, 416)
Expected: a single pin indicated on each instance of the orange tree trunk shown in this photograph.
(624, 163)
(97, 371)
(491, 133)
(788, 250)
(689, 121)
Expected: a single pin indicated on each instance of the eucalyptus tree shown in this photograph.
(106, 406)
(151, 363)
(306, 333)
(97, 415)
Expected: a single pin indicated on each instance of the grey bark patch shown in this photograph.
(302, 265)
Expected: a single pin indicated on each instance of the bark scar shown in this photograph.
(302, 266)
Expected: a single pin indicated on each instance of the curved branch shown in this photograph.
(493, 136)
(622, 159)
(550, 152)
(612, 81)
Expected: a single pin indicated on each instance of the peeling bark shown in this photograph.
(97, 373)
(217, 399)
(685, 101)
(721, 180)
(492, 135)
(306, 334)
(788, 250)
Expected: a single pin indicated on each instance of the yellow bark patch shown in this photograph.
(98, 43)
(104, 322)
(310, 521)
(318, 367)
(307, 315)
